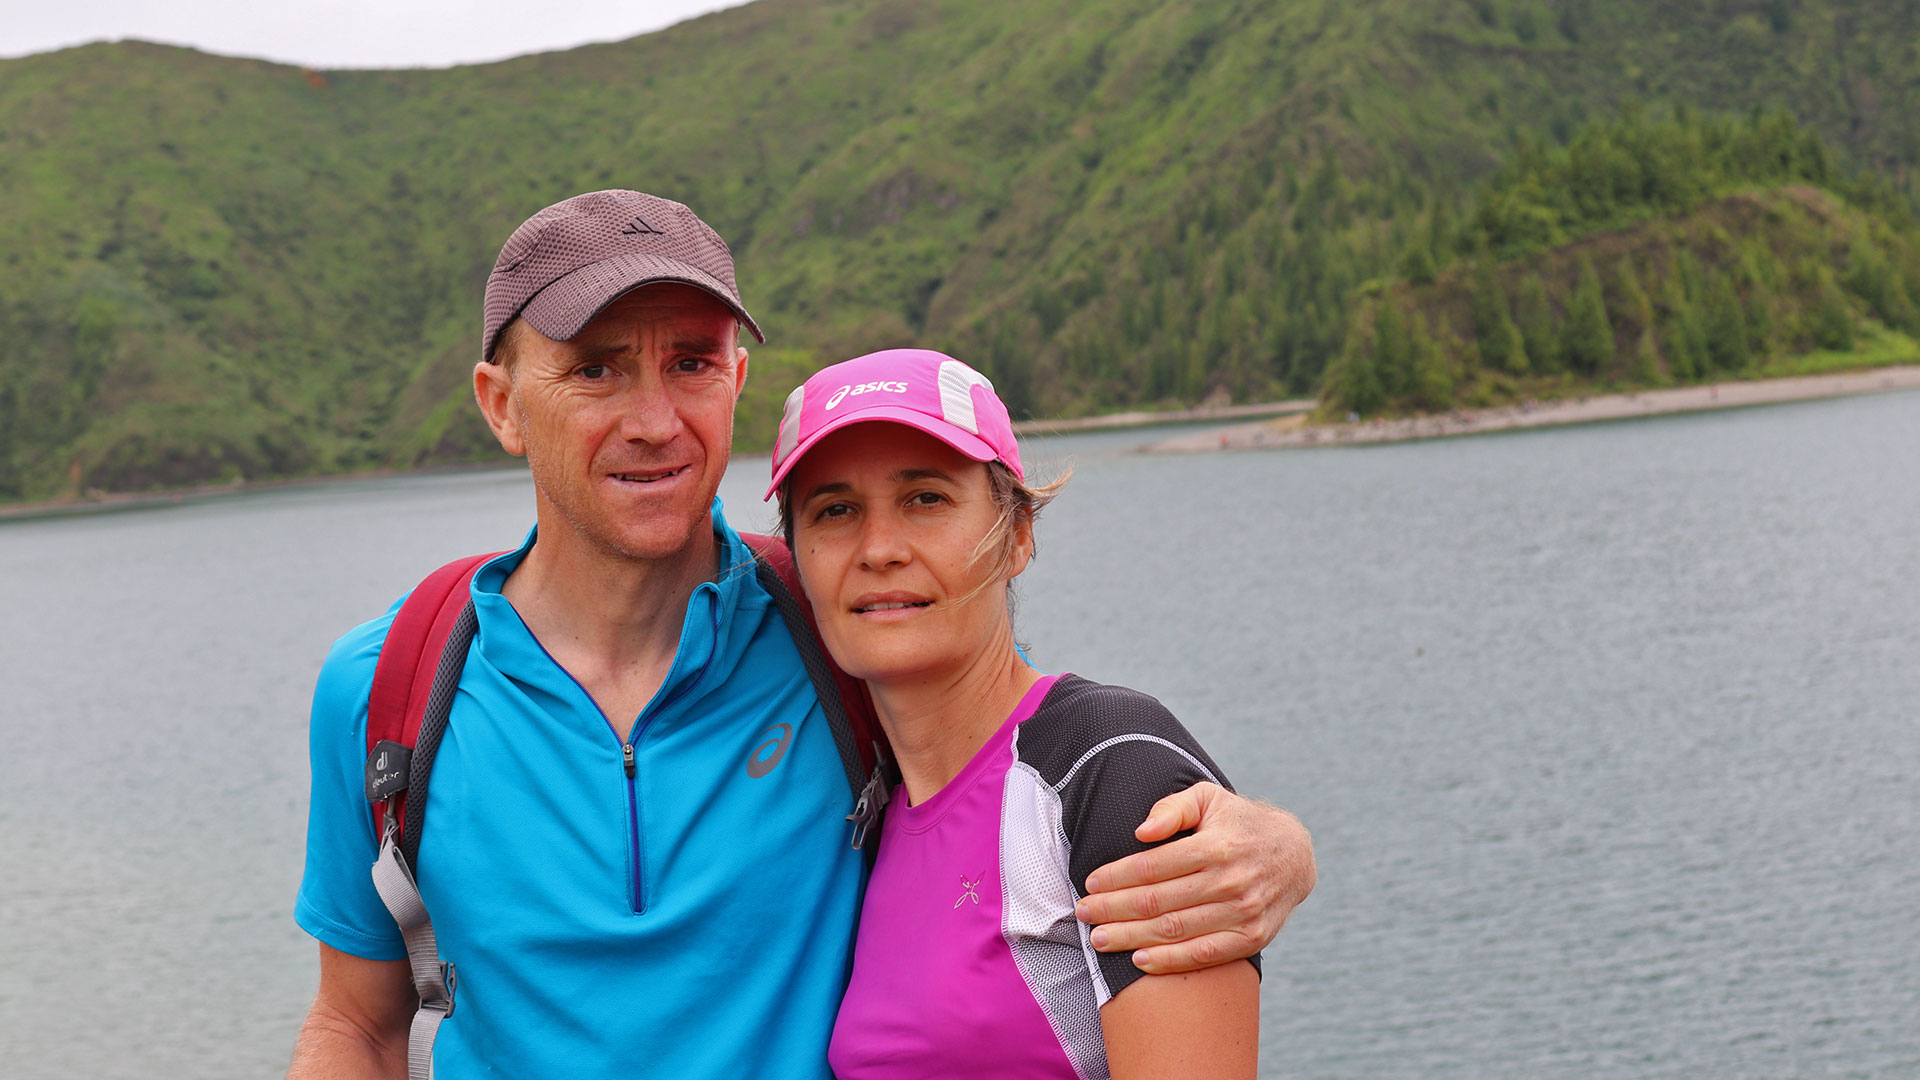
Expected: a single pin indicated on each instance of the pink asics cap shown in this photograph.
(917, 387)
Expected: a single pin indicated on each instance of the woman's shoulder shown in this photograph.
(1084, 725)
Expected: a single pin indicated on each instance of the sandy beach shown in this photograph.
(1295, 431)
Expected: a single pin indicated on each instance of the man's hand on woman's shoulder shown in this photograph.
(1218, 895)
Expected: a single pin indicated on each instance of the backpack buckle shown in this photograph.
(448, 980)
(873, 799)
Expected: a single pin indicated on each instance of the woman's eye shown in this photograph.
(928, 498)
(833, 510)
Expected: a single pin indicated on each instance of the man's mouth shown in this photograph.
(652, 476)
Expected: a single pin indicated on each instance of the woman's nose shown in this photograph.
(882, 544)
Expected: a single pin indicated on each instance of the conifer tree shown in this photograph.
(1632, 312)
(1646, 360)
(1633, 317)
(1501, 345)
(1354, 378)
(1832, 320)
(1759, 321)
(1440, 230)
(1534, 315)
(1726, 326)
(1586, 339)
(1872, 278)
(1432, 377)
(1392, 351)
(1684, 342)
(1686, 269)
(1416, 263)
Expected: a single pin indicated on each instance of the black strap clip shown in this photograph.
(873, 798)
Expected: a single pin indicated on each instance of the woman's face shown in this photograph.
(887, 521)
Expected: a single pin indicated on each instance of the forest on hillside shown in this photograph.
(220, 269)
(1647, 251)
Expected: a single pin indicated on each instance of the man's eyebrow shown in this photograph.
(601, 352)
(698, 345)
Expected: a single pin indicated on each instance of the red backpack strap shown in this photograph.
(403, 679)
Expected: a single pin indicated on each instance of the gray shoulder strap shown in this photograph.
(432, 979)
(393, 877)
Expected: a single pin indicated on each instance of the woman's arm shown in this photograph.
(1200, 1025)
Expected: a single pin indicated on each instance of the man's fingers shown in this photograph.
(1177, 812)
(1156, 899)
(1179, 924)
(1164, 863)
(1203, 952)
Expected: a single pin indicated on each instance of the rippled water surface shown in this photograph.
(1607, 737)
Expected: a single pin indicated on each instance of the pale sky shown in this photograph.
(342, 33)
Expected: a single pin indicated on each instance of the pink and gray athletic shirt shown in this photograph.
(969, 961)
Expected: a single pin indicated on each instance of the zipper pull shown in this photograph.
(626, 754)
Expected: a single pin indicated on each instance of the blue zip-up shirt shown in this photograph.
(682, 917)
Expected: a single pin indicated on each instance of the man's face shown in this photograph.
(627, 427)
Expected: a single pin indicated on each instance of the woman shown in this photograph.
(903, 498)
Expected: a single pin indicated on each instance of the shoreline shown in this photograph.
(1145, 418)
(1282, 424)
(1296, 431)
(112, 501)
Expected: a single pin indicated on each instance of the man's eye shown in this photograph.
(593, 371)
(692, 363)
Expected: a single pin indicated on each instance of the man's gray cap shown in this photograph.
(567, 262)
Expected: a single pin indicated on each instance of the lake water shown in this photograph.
(1607, 737)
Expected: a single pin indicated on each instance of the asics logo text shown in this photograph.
(866, 388)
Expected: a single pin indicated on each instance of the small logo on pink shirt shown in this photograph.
(972, 888)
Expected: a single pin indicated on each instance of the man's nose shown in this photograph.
(649, 414)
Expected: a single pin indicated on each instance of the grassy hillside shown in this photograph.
(216, 267)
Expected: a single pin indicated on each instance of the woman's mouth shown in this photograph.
(889, 605)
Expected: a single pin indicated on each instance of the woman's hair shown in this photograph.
(1016, 501)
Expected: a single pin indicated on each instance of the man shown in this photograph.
(620, 893)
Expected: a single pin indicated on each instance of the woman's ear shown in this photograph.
(1022, 544)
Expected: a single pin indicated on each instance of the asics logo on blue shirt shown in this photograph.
(762, 760)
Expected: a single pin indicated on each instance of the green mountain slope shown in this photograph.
(218, 267)
(1647, 251)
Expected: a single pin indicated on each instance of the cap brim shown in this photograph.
(960, 439)
(565, 307)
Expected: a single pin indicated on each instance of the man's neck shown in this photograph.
(612, 622)
(936, 725)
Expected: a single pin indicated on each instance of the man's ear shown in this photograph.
(493, 389)
(739, 370)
